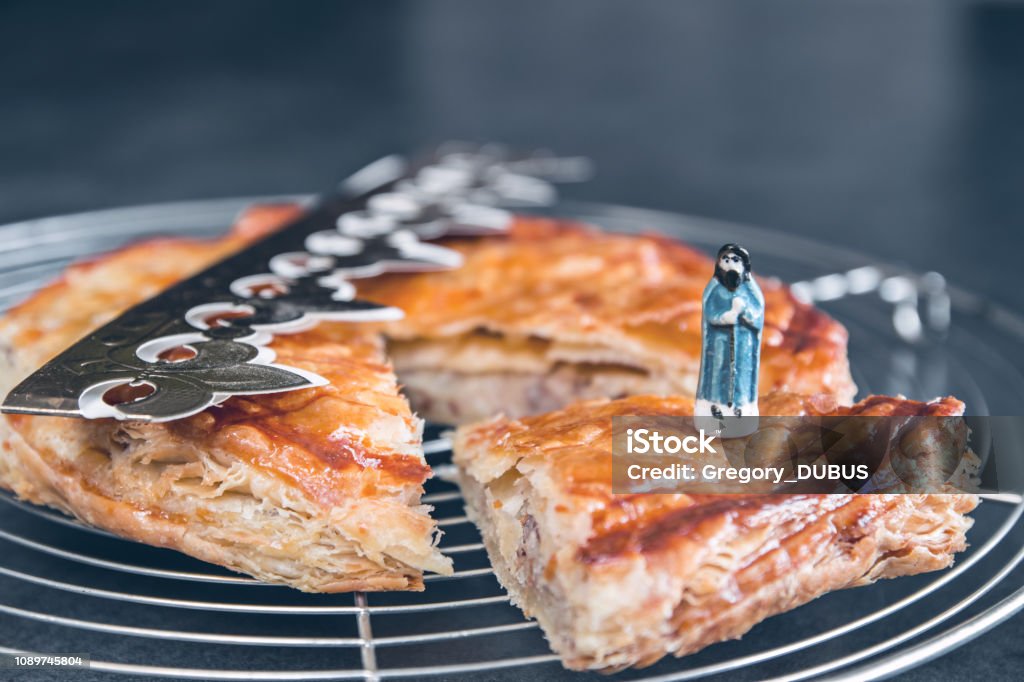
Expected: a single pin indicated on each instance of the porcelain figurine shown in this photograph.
(733, 317)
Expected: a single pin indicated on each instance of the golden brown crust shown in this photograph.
(636, 297)
(321, 467)
(709, 567)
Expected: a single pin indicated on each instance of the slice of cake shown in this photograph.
(318, 489)
(623, 580)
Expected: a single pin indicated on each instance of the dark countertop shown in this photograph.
(890, 127)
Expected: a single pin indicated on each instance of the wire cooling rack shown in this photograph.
(152, 613)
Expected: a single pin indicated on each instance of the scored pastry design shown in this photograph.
(555, 311)
(318, 489)
(622, 580)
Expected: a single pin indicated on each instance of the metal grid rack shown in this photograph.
(66, 587)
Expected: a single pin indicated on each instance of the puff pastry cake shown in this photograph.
(622, 580)
(318, 489)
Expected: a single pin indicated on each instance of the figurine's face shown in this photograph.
(730, 261)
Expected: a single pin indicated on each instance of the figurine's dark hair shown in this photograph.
(736, 250)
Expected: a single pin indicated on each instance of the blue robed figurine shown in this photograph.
(733, 317)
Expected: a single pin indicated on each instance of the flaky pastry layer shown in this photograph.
(623, 580)
(318, 489)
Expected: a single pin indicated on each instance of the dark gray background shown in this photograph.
(891, 126)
